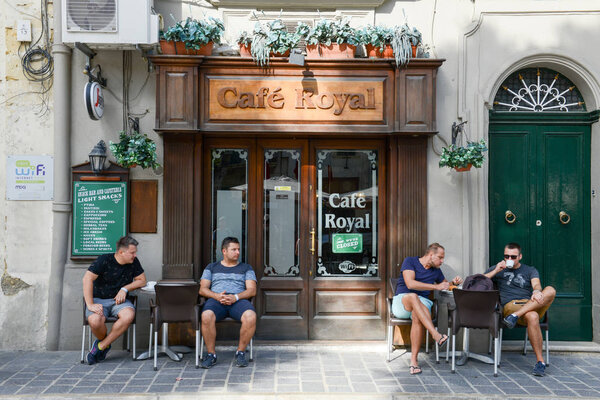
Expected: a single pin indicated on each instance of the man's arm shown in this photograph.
(88, 292)
(413, 284)
(138, 282)
(537, 294)
(206, 292)
(499, 267)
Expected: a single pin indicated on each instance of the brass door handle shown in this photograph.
(312, 241)
(564, 218)
(510, 217)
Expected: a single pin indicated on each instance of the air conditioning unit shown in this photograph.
(117, 24)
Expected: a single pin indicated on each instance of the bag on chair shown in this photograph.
(478, 282)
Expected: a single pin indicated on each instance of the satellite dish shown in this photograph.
(94, 100)
(92, 15)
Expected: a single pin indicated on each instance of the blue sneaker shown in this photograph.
(240, 359)
(101, 356)
(510, 321)
(92, 357)
(208, 361)
(539, 369)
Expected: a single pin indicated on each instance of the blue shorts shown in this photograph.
(234, 311)
(109, 307)
(398, 308)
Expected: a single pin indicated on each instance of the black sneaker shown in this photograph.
(92, 357)
(539, 369)
(101, 356)
(510, 321)
(208, 361)
(240, 359)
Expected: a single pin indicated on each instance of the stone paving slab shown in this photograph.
(289, 371)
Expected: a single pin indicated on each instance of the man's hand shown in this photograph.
(443, 286)
(96, 308)
(120, 297)
(457, 281)
(500, 266)
(228, 299)
(537, 296)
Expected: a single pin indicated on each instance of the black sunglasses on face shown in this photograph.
(507, 256)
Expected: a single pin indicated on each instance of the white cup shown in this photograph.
(510, 263)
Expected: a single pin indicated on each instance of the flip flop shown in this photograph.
(443, 340)
(415, 370)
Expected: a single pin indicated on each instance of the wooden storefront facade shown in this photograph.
(320, 170)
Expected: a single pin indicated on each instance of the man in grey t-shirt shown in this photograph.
(524, 300)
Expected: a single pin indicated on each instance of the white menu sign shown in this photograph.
(30, 178)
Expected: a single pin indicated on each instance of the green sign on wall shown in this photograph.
(99, 216)
(347, 243)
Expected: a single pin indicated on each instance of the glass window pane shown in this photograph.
(229, 169)
(347, 213)
(281, 186)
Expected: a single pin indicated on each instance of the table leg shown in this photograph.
(163, 349)
(466, 354)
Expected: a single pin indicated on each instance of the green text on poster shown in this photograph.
(347, 243)
(99, 216)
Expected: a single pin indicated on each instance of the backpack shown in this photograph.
(478, 282)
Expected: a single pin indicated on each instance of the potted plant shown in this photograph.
(403, 40)
(135, 149)
(245, 42)
(268, 40)
(192, 36)
(329, 39)
(377, 41)
(462, 158)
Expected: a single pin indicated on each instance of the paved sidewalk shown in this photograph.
(291, 371)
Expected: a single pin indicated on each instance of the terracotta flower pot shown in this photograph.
(414, 51)
(286, 54)
(205, 50)
(167, 47)
(375, 52)
(245, 50)
(332, 51)
(463, 169)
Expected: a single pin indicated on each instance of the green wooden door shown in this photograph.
(538, 169)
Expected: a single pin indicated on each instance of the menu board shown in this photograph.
(99, 217)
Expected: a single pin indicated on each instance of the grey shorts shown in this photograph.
(109, 307)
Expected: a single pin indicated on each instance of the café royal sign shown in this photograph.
(322, 99)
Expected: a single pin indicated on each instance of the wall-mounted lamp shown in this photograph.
(97, 157)
(456, 129)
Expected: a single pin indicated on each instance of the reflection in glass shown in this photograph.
(347, 213)
(281, 191)
(229, 193)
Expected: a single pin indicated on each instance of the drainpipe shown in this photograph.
(61, 206)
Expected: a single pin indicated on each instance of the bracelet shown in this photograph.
(125, 289)
(236, 297)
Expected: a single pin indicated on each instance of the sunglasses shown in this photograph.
(507, 256)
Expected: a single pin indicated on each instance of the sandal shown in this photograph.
(415, 370)
(443, 340)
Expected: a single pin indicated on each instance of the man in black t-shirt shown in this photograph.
(105, 286)
(523, 298)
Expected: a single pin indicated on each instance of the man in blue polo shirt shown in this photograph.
(228, 285)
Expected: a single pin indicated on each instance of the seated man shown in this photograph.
(418, 277)
(228, 285)
(105, 286)
(524, 300)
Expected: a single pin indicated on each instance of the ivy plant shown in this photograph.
(377, 36)
(460, 157)
(135, 149)
(195, 33)
(328, 31)
(267, 38)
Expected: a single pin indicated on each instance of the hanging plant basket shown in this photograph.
(462, 158)
(463, 169)
(135, 149)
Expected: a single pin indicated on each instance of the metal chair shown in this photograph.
(231, 321)
(544, 326)
(110, 320)
(479, 310)
(393, 321)
(175, 302)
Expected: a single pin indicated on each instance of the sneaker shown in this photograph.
(510, 321)
(240, 359)
(102, 354)
(208, 361)
(539, 369)
(92, 357)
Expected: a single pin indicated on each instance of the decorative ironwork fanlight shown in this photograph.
(538, 90)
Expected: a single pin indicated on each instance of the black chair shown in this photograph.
(175, 302)
(110, 320)
(393, 321)
(231, 321)
(478, 310)
(544, 326)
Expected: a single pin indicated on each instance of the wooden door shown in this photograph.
(539, 172)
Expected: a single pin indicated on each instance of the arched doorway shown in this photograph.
(539, 189)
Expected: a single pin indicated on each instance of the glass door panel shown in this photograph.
(347, 196)
(281, 219)
(229, 194)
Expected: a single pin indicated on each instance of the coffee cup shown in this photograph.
(510, 263)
